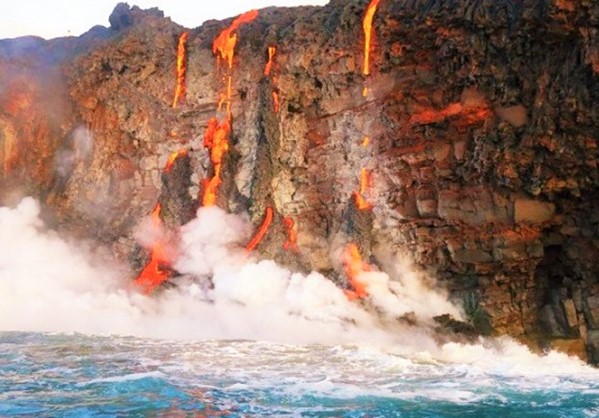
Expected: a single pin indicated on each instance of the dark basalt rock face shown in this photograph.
(484, 134)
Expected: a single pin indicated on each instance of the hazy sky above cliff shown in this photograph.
(50, 19)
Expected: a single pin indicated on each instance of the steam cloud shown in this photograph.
(48, 284)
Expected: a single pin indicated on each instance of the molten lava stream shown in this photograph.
(181, 61)
(156, 271)
(216, 138)
(354, 267)
(367, 26)
(365, 183)
(271, 54)
(172, 158)
(225, 43)
(275, 102)
(291, 231)
(261, 231)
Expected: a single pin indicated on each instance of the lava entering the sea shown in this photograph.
(181, 63)
(256, 239)
(157, 270)
(354, 267)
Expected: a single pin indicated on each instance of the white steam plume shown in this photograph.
(49, 284)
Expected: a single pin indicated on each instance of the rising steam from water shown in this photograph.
(49, 284)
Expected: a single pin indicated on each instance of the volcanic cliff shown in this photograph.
(470, 144)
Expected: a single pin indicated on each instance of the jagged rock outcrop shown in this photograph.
(482, 118)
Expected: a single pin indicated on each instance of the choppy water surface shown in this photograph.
(74, 375)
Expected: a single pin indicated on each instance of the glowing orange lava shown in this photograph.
(271, 54)
(367, 26)
(256, 239)
(216, 139)
(156, 271)
(181, 61)
(225, 43)
(365, 142)
(354, 267)
(291, 231)
(172, 158)
(365, 183)
(429, 116)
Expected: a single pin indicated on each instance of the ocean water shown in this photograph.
(74, 375)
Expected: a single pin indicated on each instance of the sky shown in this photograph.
(51, 19)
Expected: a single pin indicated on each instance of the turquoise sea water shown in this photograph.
(73, 375)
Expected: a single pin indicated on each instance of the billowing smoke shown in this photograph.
(78, 149)
(49, 284)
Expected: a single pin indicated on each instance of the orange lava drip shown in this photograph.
(291, 230)
(271, 54)
(216, 140)
(432, 116)
(354, 267)
(275, 101)
(172, 158)
(256, 239)
(180, 89)
(365, 182)
(153, 275)
(225, 43)
(367, 25)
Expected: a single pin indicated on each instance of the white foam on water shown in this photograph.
(126, 378)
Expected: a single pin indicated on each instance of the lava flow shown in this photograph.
(275, 101)
(367, 25)
(271, 54)
(156, 271)
(291, 231)
(172, 158)
(216, 138)
(181, 61)
(354, 267)
(225, 43)
(365, 182)
(256, 239)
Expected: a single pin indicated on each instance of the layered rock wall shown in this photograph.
(482, 124)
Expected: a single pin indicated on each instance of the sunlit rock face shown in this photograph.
(472, 141)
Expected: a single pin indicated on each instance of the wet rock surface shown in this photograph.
(482, 118)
